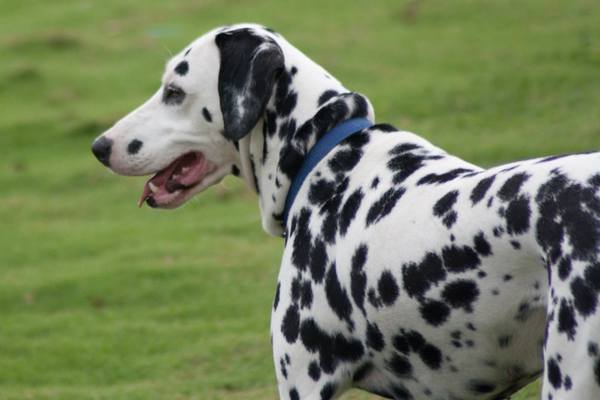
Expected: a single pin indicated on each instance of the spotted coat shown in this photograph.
(407, 272)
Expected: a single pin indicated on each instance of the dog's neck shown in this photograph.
(306, 103)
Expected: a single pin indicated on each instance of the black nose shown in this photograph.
(101, 149)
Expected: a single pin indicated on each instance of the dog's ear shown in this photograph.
(249, 67)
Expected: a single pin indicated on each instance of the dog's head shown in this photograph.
(211, 95)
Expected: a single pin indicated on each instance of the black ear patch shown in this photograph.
(250, 65)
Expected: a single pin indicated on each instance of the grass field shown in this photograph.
(100, 300)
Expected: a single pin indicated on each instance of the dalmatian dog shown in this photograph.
(407, 272)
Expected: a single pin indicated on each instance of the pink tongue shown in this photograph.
(163, 179)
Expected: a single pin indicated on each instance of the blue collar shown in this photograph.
(318, 152)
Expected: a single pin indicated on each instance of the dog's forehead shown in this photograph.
(193, 60)
(202, 53)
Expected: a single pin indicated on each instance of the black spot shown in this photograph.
(566, 320)
(400, 365)
(568, 207)
(321, 191)
(404, 147)
(187, 51)
(235, 170)
(461, 293)
(444, 204)
(431, 356)
(302, 240)
(331, 349)
(554, 374)
(597, 371)
(293, 71)
(362, 372)
(314, 371)
(442, 178)
(592, 276)
(585, 299)
(388, 288)
(328, 391)
(206, 114)
(568, 383)
(416, 341)
(295, 289)
(450, 219)
(592, 349)
(512, 186)
(325, 96)
(564, 268)
(507, 277)
(480, 387)
(285, 97)
(482, 246)
(306, 295)
(401, 344)
(401, 393)
(337, 297)
(374, 337)
(498, 231)
(358, 283)
(182, 68)
(276, 301)
(344, 160)
(384, 128)
(318, 260)
(515, 244)
(291, 323)
(384, 205)
(504, 341)
(134, 146)
(418, 278)
(434, 312)
(457, 259)
(329, 227)
(552, 158)
(594, 180)
(524, 311)
(481, 189)
(254, 176)
(403, 164)
(375, 183)
(270, 122)
(517, 216)
(349, 210)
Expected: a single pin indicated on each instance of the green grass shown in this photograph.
(99, 300)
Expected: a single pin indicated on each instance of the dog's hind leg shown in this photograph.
(568, 232)
(305, 375)
(572, 354)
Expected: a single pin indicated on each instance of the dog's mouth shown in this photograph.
(170, 187)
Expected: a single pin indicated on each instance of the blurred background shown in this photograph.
(101, 300)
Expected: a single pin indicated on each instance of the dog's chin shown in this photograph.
(174, 185)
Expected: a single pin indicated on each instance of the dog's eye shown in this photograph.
(173, 94)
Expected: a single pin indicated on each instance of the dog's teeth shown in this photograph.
(152, 187)
(184, 170)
